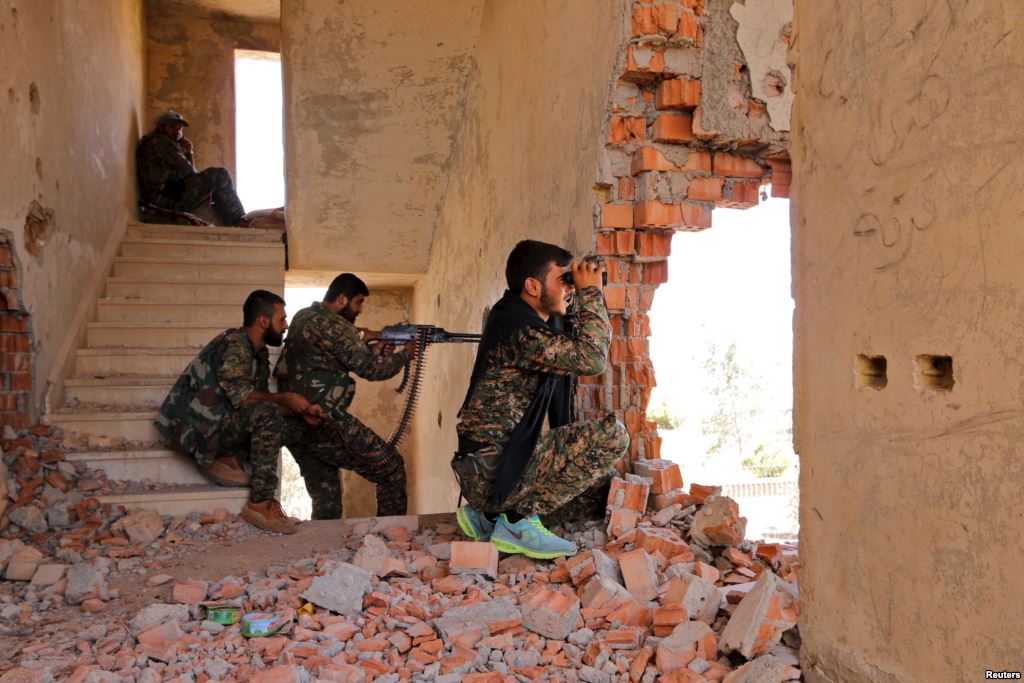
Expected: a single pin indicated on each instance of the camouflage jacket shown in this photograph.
(513, 370)
(216, 382)
(321, 349)
(161, 164)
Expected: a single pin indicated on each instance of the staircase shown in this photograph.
(172, 289)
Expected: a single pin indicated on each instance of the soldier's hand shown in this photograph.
(410, 349)
(296, 404)
(186, 146)
(586, 274)
(368, 334)
(315, 414)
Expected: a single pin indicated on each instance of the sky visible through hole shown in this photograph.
(259, 129)
(729, 286)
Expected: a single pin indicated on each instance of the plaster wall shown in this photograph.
(373, 95)
(524, 165)
(190, 67)
(907, 241)
(73, 93)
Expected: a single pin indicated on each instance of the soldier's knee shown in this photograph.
(613, 433)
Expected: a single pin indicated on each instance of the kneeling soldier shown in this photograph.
(220, 408)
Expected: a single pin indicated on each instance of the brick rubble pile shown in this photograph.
(665, 588)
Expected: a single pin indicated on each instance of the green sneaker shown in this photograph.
(529, 537)
(474, 523)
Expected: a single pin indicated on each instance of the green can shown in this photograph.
(223, 614)
(259, 624)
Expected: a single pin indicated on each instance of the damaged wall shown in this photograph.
(907, 246)
(190, 67)
(71, 106)
(523, 168)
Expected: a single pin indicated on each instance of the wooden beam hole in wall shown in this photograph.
(933, 373)
(870, 371)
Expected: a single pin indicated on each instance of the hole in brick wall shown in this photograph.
(39, 222)
(933, 373)
(870, 372)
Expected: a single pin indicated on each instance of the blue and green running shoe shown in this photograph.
(529, 537)
(474, 523)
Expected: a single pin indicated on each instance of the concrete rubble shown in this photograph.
(663, 593)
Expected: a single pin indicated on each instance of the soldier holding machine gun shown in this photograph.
(323, 346)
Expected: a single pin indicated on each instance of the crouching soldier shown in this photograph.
(510, 473)
(322, 348)
(220, 411)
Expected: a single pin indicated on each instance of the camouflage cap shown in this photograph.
(171, 116)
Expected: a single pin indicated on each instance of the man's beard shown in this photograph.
(548, 302)
(272, 338)
(348, 314)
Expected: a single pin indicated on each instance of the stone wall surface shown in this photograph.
(523, 167)
(907, 246)
(190, 67)
(72, 79)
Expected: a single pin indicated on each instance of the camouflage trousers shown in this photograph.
(568, 475)
(351, 446)
(261, 430)
(212, 183)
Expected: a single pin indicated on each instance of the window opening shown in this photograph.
(259, 129)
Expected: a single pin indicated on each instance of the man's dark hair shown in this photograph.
(259, 302)
(530, 258)
(347, 284)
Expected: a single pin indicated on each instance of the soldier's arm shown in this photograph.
(354, 354)
(235, 375)
(173, 157)
(542, 350)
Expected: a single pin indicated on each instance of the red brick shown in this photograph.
(650, 159)
(625, 129)
(629, 494)
(705, 189)
(654, 244)
(742, 194)
(655, 214)
(667, 618)
(643, 21)
(782, 174)
(638, 574)
(666, 16)
(677, 93)
(617, 216)
(664, 474)
(664, 541)
(468, 557)
(189, 591)
(689, 29)
(731, 165)
(624, 241)
(13, 323)
(642, 63)
(696, 215)
(615, 298)
(673, 128)
(627, 189)
(646, 298)
(700, 493)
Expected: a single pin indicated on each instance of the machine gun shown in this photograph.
(423, 336)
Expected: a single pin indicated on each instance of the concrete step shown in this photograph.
(188, 271)
(146, 392)
(102, 363)
(203, 251)
(163, 466)
(225, 314)
(159, 289)
(151, 335)
(133, 425)
(188, 232)
(181, 500)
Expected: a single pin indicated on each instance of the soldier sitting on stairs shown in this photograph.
(171, 185)
(221, 409)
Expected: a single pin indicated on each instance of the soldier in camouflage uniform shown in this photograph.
(322, 348)
(509, 473)
(168, 178)
(220, 408)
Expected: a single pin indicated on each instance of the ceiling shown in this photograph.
(253, 10)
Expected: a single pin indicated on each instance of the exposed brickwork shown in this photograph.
(667, 171)
(15, 342)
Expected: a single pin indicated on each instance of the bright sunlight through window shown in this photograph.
(259, 129)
